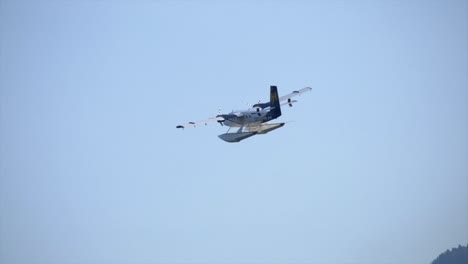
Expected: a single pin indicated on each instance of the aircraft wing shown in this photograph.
(200, 123)
(294, 94)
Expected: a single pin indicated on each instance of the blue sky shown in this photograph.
(371, 168)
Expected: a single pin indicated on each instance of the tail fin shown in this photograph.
(274, 102)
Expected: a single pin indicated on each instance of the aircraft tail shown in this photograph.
(274, 102)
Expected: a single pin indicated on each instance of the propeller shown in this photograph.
(219, 112)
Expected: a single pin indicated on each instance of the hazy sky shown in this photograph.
(371, 168)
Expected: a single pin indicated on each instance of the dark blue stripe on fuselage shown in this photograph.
(262, 106)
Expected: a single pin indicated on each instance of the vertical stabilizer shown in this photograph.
(274, 102)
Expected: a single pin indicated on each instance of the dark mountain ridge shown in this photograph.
(458, 255)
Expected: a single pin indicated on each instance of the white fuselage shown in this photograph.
(243, 118)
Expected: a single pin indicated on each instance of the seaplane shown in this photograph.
(253, 121)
